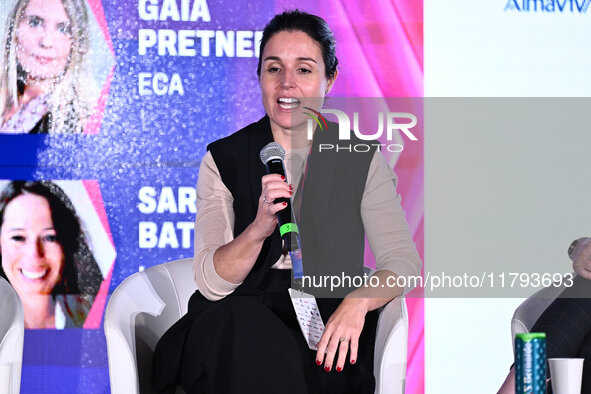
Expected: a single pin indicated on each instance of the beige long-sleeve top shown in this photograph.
(383, 219)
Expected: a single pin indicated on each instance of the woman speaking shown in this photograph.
(241, 333)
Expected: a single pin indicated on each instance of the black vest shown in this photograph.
(331, 229)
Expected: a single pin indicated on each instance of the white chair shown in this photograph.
(528, 312)
(147, 303)
(12, 335)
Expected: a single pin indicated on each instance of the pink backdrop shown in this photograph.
(380, 51)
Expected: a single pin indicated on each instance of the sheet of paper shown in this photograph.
(309, 318)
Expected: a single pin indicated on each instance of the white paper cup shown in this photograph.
(5, 370)
(567, 375)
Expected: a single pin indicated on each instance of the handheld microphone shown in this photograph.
(272, 156)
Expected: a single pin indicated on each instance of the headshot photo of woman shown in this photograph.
(241, 333)
(45, 255)
(46, 85)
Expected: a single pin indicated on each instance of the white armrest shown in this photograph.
(135, 295)
(139, 312)
(391, 348)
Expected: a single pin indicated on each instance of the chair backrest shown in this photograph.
(139, 312)
(12, 333)
(528, 312)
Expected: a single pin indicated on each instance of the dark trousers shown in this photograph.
(567, 324)
(253, 344)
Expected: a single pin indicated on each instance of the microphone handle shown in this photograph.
(287, 223)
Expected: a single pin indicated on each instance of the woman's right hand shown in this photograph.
(234, 260)
(273, 188)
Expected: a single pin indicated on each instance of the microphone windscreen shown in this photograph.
(271, 151)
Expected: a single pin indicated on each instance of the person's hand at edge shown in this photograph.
(581, 256)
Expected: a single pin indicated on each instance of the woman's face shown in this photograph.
(44, 39)
(292, 68)
(32, 258)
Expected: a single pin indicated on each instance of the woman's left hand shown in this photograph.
(342, 333)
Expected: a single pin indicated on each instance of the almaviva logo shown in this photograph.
(551, 6)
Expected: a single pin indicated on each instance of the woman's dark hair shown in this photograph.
(314, 26)
(81, 276)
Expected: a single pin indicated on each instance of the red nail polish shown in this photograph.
(282, 177)
(327, 369)
(353, 361)
(318, 362)
(339, 369)
(284, 204)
